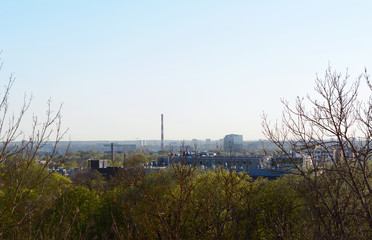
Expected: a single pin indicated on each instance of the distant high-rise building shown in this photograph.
(233, 143)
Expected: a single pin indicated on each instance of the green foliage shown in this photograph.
(220, 197)
(275, 211)
(181, 202)
(70, 164)
(92, 180)
(136, 159)
(27, 190)
(72, 216)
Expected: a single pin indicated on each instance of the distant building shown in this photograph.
(96, 164)
(103, 167)
(129, 147)
(284, 162)
(238, 163)
(255, 165)
(233, 143)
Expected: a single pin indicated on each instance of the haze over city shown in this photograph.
(211, 67)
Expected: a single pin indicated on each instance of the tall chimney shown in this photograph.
(162, 133)
(112, 152)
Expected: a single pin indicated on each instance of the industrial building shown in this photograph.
(238, 163)
(103, 167)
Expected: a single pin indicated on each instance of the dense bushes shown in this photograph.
(178, 203)
(181, 202)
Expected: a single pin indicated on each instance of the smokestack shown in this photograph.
(162, 133)
(112, 152)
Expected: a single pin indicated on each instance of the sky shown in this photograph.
(211, 67)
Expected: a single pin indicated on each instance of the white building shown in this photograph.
(233, 143)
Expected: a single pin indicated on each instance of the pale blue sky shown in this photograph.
(211, 67)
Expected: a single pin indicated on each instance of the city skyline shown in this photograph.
(212, 67)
